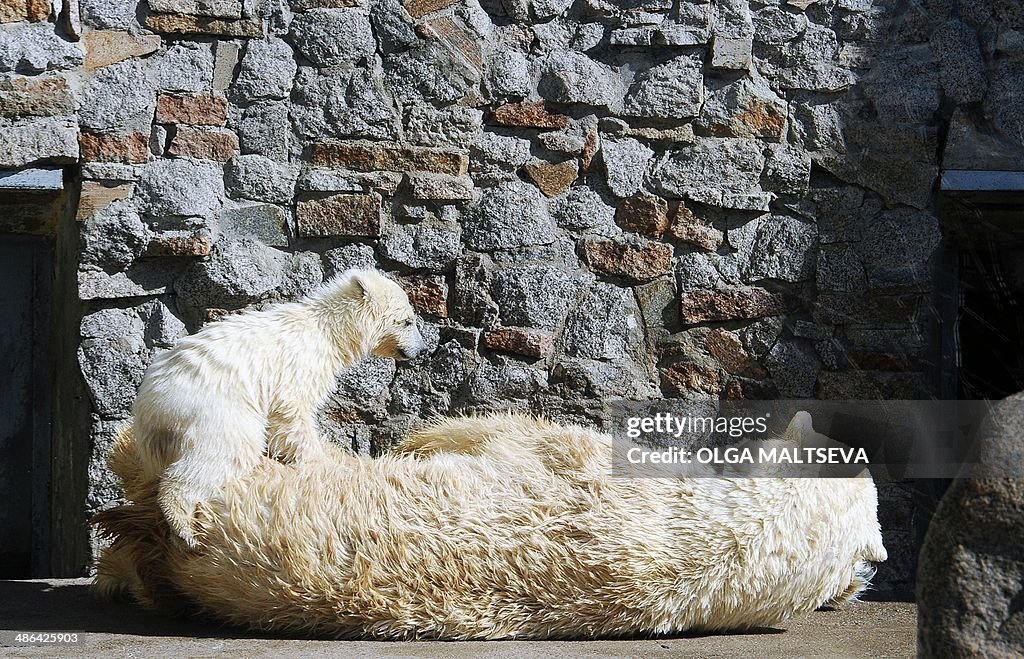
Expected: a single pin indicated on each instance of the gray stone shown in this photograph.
(212, 8)
(303, 275)
(493, 154)
(426, 245)
(673, 90)
(34, 47)
(971, 567)
(534, 295)
(104, 485)
(625, 163)
(264, 222)
(562, 142)
(225, 59)
(794, 366)
(777, 26)
(565, 34)
(108, 14)
(898, 246)
(110, 171)
(142, 278)
(571, 77)
(511, 215)
(455, 126)
(38, 139)
(366, 385)
(605, 325)
(333, 37)
(393, 25)
(113, 361)
(163, 327)
(549, 8)
(711, 170)
(113, 236)
(961, 66)
(838, 211)
(267, 71)
(121, 95)
(342, 103)
(330, 180)
(590, 378)
(264, 129)
(744, 108)
(771, 247)
(429, 73)
(760, 336)
(840, 269)
(236, 273)
(582, 208)
(260, 179)
(180, 187)
(696, 272)
(787, 170)
(508, 74)
(904, 86)
(1004, 103)
(491, 384)
(351, 256)
(187, 66)
(733, 35)
(818, 126)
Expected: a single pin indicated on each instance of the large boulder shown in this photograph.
(970, 584)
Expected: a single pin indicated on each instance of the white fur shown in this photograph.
(209, 408)
(497, 527)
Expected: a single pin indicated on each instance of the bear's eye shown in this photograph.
(409, 322)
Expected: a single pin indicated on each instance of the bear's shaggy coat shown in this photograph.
(209, 408)
(495, 527)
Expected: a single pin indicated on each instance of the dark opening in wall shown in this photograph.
(43, 410)
(984, 318)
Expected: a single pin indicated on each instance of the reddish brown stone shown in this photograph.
(427, 294)
(689, 229)
(728, 350)
(684, 378)
(96, 196)
(521, 341)
(339, 215)
(757, 119)
(114, 147)
(644, 262)
(643, 213)
(589, 149)
(529, 115)
(205, 144)
(36, 96)
(728, 304)
(552, 178)
(343, 414)
(24, 10)
(180, 243)
(200, 110)
(373, 156)
(418, 8)
(104, 47)
(185, 24)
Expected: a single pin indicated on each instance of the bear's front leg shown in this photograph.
(294, 439)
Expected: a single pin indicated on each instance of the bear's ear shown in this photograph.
(361, 288)
(800, 429)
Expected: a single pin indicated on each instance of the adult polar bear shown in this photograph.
(496, 527)
(209, 408)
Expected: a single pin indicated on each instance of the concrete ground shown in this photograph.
(865, 629)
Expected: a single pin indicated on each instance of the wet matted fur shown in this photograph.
(494, 527)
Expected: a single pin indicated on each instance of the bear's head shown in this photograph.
(370, 314)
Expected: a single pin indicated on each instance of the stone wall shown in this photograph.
(587, 200)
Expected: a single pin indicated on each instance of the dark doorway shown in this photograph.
(26, 372)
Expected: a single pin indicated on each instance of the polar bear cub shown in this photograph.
(208, 409)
